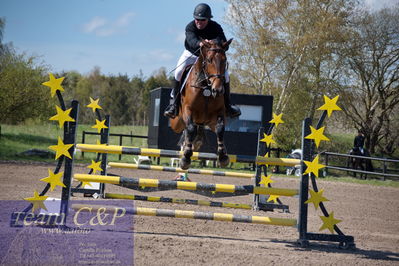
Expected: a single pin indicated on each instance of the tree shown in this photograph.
(289, 49)
(120, 100)
(157, 79)
(370, 82)
(22, 96)
(94, 85)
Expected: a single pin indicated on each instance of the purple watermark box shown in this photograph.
(94, 232)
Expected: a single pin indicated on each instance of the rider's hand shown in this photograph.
(205, 42)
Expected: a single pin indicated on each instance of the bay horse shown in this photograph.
(360, 163)
(202, 102)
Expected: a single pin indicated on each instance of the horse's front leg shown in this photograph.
(222, 153)
(190, 133)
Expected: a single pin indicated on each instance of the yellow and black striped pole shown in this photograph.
(179, 201)
(179, 170)
(177, 154)
(225, 217)
(169, 184)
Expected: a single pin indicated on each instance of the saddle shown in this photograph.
(184, 77)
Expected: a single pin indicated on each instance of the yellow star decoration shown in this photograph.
(317, 135)
(99, 125)
(329, 222)
(266, 180)
(273, 198)
(84, 183)
(330, 105)
(95, 166)
(53, 179)
(313, 167)
(94, 104)
(54, 84)
(268, 139)
(61, 149)
(62, 116)
(37, 201)
(316, 198)
(277, 119)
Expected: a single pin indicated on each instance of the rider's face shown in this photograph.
(201, 23)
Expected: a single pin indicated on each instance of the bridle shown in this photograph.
(207, 76)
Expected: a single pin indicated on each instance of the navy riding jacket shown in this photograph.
(193, 35)
(359, 141)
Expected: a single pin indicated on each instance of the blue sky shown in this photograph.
(119, 36)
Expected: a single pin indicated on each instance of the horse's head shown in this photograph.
(214, 64)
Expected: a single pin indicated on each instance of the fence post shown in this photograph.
(70, 131)
(304, 184)
(260, 151)
(83, 141)
(120, 144)
(325, 172)
(104, 135)
(384, 170)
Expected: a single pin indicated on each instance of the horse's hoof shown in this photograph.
(224, 161)
(185, 163)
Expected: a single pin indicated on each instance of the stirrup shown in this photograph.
(233, 111)
(170, 111)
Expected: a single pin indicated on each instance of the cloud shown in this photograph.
(102, 27)
(94, 24)
(124, 20)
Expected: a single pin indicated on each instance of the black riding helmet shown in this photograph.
(202, 11)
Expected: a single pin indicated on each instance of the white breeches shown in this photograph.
(187, 58)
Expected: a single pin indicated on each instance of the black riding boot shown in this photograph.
(231, 110)
(173, 109)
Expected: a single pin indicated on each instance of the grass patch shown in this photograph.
(15, 139)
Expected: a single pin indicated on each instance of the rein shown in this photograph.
(207, 76)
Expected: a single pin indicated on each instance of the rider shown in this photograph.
(201, 28)
(359, 142)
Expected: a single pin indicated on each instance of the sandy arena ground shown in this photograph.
(369, 213)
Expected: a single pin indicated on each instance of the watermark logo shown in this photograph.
(91, 232)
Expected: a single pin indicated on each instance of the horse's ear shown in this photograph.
(225, 45)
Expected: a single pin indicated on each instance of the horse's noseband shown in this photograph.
(209, 76)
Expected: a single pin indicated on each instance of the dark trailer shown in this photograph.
(241, 133)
